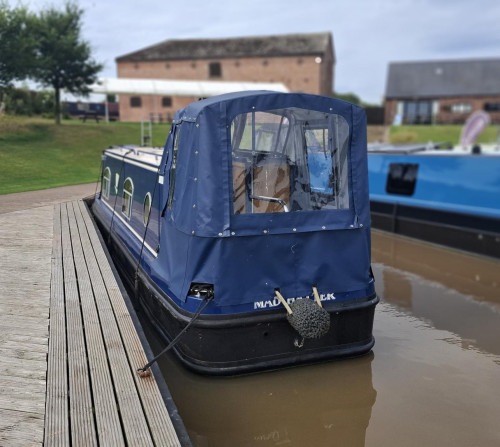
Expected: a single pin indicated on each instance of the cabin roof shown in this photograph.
(257, 46)
(468, 77)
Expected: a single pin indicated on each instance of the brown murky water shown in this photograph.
(433, 378)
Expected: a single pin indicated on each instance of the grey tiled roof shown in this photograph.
(471, 77)
(263, 46)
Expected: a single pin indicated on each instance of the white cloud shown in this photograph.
(367, 34)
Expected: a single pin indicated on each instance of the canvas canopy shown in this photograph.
(266, 190)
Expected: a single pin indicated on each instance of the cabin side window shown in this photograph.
(128, 195)
(289, 160)
(173, 168)
(106, 183)
(402, 179)
(146, 209)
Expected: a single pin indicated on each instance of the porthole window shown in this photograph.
(146, 208)
(106, 183)
(128, 194)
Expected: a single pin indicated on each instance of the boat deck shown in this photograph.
(70, 350)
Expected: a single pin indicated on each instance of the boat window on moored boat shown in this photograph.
(146, 209)
(402, 178)
(289, 160)
(106, 183)
(128, 194)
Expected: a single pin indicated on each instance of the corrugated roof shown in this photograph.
(468, 77)
(259, 46)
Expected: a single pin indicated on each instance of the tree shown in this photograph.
(63, 59)
(349, 97)
(17, 44)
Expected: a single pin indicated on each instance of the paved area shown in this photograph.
(33, 199)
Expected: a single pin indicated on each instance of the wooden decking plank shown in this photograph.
(20, 428)
(106, 411)
(16, 399)
(159, 421)
(23, 338)
(83, 430)
(134, 422)
(57, 430)
(16, 367)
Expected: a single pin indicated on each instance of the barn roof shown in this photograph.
(468, 77)
(258, 46)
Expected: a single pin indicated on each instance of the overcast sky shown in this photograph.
(367, 34)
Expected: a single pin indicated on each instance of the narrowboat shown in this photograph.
(252, 225)
(445, 196)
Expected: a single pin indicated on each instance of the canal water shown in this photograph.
(432, 379)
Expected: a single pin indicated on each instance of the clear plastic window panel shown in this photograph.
(289, 160)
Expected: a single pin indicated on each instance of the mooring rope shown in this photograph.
(144, 371)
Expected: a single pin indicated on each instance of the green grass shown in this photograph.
(37, 154)
(436, 134)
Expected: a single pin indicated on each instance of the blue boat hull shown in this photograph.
(245, 342)
(454, 200)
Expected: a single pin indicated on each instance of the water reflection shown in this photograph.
(449, 290)
(431, 380)
(318, 405)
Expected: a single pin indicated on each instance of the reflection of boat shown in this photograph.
(449, 197)
(225, 216)
(459, 294)
(324, 405)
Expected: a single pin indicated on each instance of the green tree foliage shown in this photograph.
(22, 101)
(17, 44)
(349, 97)
(63, 60)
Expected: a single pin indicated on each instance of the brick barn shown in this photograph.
(442, 92)
(302, 62)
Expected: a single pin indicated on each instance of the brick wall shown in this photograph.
(298, 73)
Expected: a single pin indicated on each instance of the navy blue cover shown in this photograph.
(246, 256)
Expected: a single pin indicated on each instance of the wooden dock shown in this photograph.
(81, 388)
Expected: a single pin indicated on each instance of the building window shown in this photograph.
(135, 101)
(106, 183)
(402, 179)
(461, 107)
(215, 70)
(146, 208)
(128, 194)
(166, 101)
(417, 112)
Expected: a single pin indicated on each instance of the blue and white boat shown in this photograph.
(450, 197)
(257, 205)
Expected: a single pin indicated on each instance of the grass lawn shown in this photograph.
(437, 134)
(37, 154)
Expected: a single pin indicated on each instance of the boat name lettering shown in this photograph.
(276, 302)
